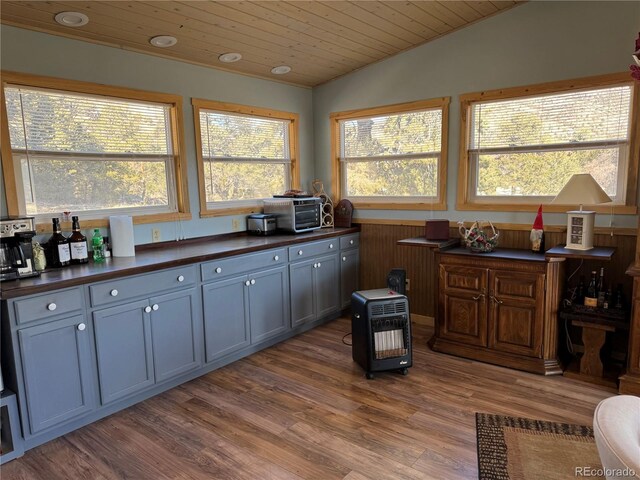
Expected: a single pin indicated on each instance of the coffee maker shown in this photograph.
(16, 250)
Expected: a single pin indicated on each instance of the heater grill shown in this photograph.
(381, 330)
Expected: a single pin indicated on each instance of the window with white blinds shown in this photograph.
(93, 155)
(524, 150)
(392, 157)
(244, 156)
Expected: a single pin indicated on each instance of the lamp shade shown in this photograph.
(581, 189)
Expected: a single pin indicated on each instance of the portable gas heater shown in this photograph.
(381, 331)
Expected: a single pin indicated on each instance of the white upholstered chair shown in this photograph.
(616, 427)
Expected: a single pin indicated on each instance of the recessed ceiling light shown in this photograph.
(229, 57)
(163, 41)
(281, 69)
(71, 19)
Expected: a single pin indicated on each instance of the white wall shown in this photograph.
(38, 53)
(531, 43)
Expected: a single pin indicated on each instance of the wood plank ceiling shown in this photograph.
(319, 40)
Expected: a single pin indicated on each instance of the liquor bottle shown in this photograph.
(601, 289)
(607, 300)
(78, 244)
(58, 247)
(580, 291)
(97, 243)
(591, 298)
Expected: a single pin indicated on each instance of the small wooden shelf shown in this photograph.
(596, 253)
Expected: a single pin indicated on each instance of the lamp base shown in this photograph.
(580, 230)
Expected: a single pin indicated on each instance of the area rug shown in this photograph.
(511, 448)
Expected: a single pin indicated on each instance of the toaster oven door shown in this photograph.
(307, 216)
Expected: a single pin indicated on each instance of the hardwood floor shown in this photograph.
(303, 410)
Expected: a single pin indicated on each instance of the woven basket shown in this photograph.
(480, 237)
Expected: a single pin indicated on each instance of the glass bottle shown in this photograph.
(78, 244)
(58, 247)
(591, 298)
(580, 291)
(601, 289)
(97, 243)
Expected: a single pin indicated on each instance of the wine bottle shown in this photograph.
(78, 244)
(97, 243)
(58, 247)
(591, 298)
(601, 289)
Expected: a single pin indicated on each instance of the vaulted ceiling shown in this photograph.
(319, 40)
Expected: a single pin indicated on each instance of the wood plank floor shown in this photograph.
(303, 410)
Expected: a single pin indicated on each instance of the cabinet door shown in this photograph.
(174, 334)
(327, 285)
(302, 297)
(123, 348)
(349, 275)
(226, 316)
(269, 303)
(516, 309)
(57, 368)
(462, 308)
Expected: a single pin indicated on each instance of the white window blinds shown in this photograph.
(594, 116)
(239, 137)
(53, 121)
(392, 135)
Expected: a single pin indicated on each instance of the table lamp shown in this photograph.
(581, 189)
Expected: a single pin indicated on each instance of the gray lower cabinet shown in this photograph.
(314, 288)
(123, 349)
(349, 275)
(57, 369)
(146, 342)
(245, 309)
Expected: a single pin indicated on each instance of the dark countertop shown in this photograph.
(499, 254)
(158, 256)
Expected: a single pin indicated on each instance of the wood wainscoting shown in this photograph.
(379, 253)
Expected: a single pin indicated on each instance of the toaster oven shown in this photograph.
(295, 215)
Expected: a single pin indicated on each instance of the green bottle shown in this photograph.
(97, 242)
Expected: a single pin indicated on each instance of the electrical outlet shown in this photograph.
(408, 284)
(155, 235)
(235, 224)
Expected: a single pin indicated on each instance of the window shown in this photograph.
(393, 156)
(89, 149)
(523, 144)
(245, 154)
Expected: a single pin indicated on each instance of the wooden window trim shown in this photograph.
(294, 147)
(464, 201)
(76, 86)
(336, 168)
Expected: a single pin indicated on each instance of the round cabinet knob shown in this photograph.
(299, 252)
(253, 281)
(319, 264)
(155, 307)
(315, 265)
(331, 245)
(350, 242)
(51, 307)
(81, 326)
(344, 259)
(276, 258)
(218, 270)
(247, 283)
(181, 278)
(147, 309)
(113, 293)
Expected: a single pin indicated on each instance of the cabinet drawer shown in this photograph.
(242, 263)
(48, 305)
(350, 241)
(114, 291)
(309, 250)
